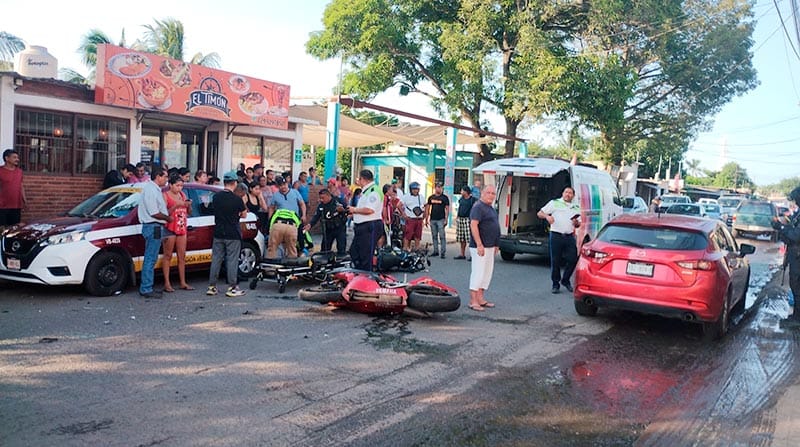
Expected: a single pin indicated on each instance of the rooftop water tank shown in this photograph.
(35, 62)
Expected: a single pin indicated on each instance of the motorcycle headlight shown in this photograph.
(65, 238)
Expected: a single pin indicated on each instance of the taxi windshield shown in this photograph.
(107, 204)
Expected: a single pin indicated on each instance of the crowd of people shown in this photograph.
(379, 215)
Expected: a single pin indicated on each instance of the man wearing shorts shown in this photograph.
(462, 222)
(414, 208)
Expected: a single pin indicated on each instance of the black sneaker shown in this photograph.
(436, 253)
(567, 286)
(555, 290)
(443, 256)
(153, 294)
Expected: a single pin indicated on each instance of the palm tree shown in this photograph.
(693, 167)
(166, 38)
(88, 49)
(9, 46)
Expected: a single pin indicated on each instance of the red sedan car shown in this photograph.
(671, 265)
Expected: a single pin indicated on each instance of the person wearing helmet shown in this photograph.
(414, 209)
(789, 232)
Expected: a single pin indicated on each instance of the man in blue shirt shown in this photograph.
(153, 214)
(283, 231)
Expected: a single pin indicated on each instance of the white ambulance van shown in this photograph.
(525, 185)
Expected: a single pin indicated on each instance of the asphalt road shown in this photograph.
(268, 369)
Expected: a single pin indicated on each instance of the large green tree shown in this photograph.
(732, 176)
(468, 57)
(650, 74)
(645, 74)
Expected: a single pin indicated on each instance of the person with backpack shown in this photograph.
(465, 203)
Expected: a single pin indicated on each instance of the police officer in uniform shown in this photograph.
(563, 216)
(368, 225)
(789, 233)
(332, 214)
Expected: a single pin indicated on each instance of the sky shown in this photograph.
(266, 39)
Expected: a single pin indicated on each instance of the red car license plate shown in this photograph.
(640, 269)
(13, 264)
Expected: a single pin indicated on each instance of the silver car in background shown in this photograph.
(634, 204)
(713, 211)
(728, 205)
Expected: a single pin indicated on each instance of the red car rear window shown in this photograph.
(653, 237)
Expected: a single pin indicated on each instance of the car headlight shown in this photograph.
(65, 238)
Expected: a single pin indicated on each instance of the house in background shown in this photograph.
(418, 164)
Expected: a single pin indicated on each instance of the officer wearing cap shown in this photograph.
(285, 209)
(789, 233)
(368, 225)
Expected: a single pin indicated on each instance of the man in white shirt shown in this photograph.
(414, 209)
(563, 215)
(368, 225)
(153, 214)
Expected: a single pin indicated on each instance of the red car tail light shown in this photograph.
(697, 265)
(598, 257)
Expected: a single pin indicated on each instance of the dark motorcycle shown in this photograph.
(392, 258)
(379, 293)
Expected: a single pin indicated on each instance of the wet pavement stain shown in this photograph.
(81, 428)
(648, 381)
(393, 333)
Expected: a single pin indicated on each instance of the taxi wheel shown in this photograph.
(249, 257)
(107, 274)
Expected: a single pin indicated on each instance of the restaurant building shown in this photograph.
(143, 108)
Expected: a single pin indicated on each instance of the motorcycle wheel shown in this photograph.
(320, 294)
(432, 299)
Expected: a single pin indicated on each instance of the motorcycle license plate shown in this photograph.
(13, 264)
(640, 269)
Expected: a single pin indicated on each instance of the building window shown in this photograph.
(69, 144)
(278, 154)
(246, 151)
(460, 178)
(273, 154)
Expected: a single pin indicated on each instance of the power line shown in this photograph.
(766, 143)
(783, 24)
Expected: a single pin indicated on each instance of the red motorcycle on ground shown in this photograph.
(379, 293)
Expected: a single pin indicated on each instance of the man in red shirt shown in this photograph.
(12, 195)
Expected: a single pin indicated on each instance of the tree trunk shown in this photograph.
(511, 130)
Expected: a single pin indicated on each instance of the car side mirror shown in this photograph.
(746, 249)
